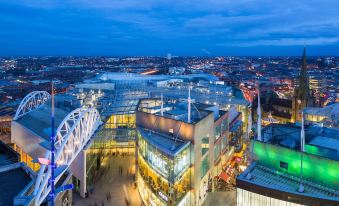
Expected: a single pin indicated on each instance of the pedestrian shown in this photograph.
(126, 201)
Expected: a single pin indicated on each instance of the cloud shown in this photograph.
(286, 42)
(184, 26)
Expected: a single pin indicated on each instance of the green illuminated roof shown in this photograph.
(316, 169)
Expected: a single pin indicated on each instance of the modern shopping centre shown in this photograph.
(112, 114)
(181, 147)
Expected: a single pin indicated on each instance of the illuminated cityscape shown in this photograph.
(156, 104)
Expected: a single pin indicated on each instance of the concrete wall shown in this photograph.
(78, 169)
(163, 125)
(204, 128)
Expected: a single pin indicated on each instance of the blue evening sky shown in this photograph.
(179, 27)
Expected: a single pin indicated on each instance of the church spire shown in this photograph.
(302, 92)
(302, 96)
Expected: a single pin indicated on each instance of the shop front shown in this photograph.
(166, 176)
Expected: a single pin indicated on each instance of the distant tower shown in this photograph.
(301, 98)
(169, 56)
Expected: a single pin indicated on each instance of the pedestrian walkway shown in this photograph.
(228, 198)
(118, 171)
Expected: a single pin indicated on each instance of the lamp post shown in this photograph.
(52, 164)
(302, 150)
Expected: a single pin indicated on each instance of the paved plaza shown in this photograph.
(113, 181)
(228, 198)
(118, 171)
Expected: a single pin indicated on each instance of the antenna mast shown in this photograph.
(259, 115)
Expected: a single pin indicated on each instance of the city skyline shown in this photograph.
(134, 28)
(169, 103)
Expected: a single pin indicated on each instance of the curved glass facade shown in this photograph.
(163, 179)
(169, 167)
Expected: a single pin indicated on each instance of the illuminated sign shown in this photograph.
(163, 196)
(158, 163)
(152, 202)
(181, 164)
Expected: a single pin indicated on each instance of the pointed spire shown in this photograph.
(302, 91)
(189, 104)
(259, 115)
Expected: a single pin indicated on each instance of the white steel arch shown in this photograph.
(72, 135)
(30, 102)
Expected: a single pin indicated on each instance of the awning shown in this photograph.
(224, 176)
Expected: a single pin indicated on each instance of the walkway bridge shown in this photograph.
(72, 135)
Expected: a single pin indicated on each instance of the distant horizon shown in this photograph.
(164, 56)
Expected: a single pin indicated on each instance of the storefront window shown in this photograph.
(27, 159)
(216, 151)
(217, 131)
(224, 126)
(160, 190)
(205, 166)
(121, 121)
(158, 161)
(181, 162)
(224, 143)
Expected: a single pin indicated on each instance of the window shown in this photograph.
(217, 131)
(204, 145)
(284, 165)
(216, 151)
(224, 126)
(205, 166)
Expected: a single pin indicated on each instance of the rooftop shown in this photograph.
(328, 111)
(39, 120)
(7, 155)
(276, 133)
(167, 144)
(12, 183)
(177, 110)
(325, 142)
(274, 179)
(134, 77)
